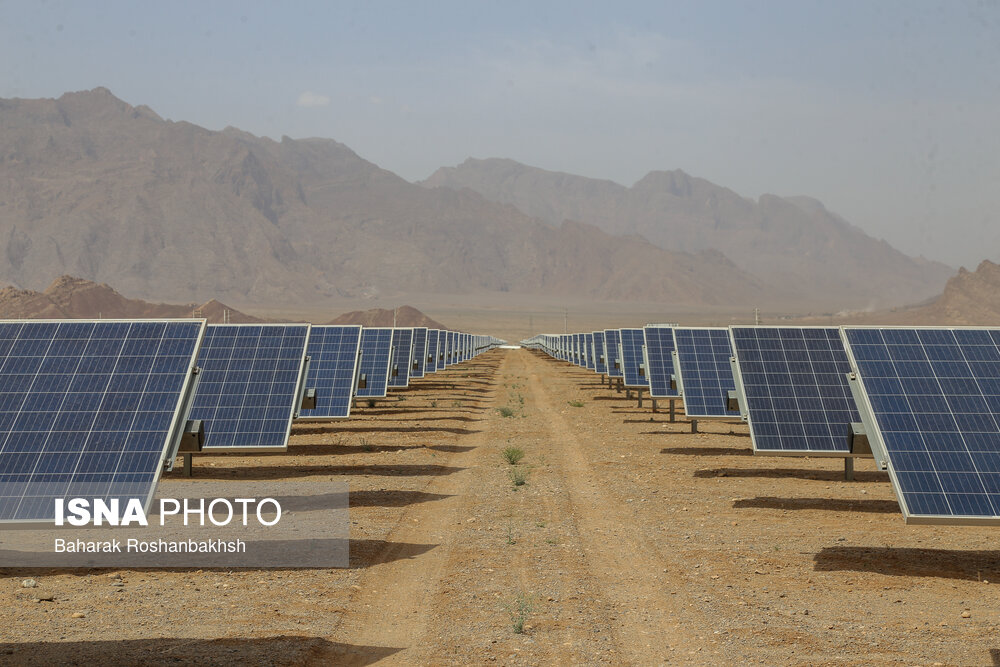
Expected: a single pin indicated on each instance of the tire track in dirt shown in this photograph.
(627, 565)
(392, 607)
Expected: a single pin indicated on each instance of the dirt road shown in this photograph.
(631, 541)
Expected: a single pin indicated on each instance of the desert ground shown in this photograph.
(632, 541)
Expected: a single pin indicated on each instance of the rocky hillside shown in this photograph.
(94, 187)
(69, 297)
(405, 316)
(782, 241)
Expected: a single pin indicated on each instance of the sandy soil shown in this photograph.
(633, 541)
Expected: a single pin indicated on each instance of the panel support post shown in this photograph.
(673, 414)
(187, 464)
(848, 468)
(638, 393)
(628, 393)
(655, 406)
(694, 425)
(619, 385)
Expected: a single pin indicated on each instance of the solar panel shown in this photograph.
(631, 342)
(250, 384)
(588, 346)
(419, 352)
(704, 374)
(659, 342)
(333, 365)
(930, 402)
(376, 352)
(90, 409)
(402, 348)
(449, 348)
(599, 364)
(793, 389)
(612, 353)
(433, 347)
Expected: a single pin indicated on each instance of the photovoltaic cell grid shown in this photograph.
(419, 352)
(632, 341)
(449, 348)
(433, 350)
(611, 352)
(704, 373)
(249, 386)
(376, 350)
(402, 348)
(588, 346)
(934, 398)
(659, 355)
(88, 409)
(599, 365)
(333, 363)
(794, 384)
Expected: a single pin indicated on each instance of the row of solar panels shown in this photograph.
(923, 401)
(97, 409)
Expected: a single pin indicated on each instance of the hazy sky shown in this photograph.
(889, 112)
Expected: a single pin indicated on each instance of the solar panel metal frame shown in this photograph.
(377, 380)
(875, 438)
(631, 344)
(317, 365)
(300, 388)
(402, 346)
(177, 424)
(600, 364)
(419, 354)
(612, 352)
(747, 415)
(678, 371)
(588, 347)
(653, 355)
(431, 355)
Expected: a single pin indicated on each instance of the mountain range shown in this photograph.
(781, 241)
(95, 187)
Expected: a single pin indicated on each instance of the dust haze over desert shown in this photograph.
(516, 169)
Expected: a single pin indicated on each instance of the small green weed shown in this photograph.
(365, 445)
(512, 455)
(506, 411)
(518, 477)
(576, 404)
(519, 608)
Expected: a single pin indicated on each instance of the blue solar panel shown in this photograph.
(402, 351)
(419, 352)
(704, 374)
(376, 352)
(449, 348)
(599, 364)
(632, 341)
(588, 346)
(931, 401)
(333, 364)
(250, 384)
(612, 353)
(794, 390)
(89, 409)
(433, 350)
(660, 363)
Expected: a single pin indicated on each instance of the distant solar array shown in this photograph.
(99, 408)
(924, 402)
